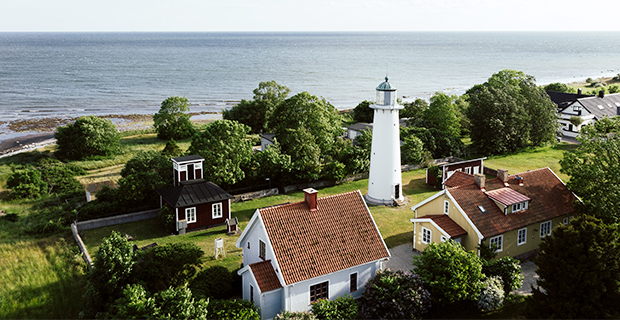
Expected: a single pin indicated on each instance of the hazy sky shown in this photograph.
(309, 15)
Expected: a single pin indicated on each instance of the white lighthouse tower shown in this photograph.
(385, 179)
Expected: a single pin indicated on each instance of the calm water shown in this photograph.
(72, 74)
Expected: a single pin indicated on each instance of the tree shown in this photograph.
(272, 163)
(442, 114)
(509, 112)
(438, 143)
(579, 272)
(225, 148)
(171, 122)
(594, 171)
(172, 265)
(142, 176)
(412, 150)
(27, 184)
(395, 295)
(363, 113)
(256, 113)
(213, 282)
(559, 87)
(451, 273)
(305, 153)
(316, 115)
(171, 149)
(356, 157)
(88, 136)
(413, 111)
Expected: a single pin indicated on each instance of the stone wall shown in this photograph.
(123, 218)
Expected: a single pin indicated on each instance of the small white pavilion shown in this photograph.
(385, 178)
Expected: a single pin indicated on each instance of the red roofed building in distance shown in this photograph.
(513, 212)
(321, 248)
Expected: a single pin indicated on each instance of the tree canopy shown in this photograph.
(593, 169)
(88, 136)
(559, 87)
(579, 272)
(225, 148)
(442, 114)
(363, 113)
(255, 113)
(172, 121)
(509, 112)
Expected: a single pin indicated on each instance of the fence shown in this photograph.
(255, 195)
(110, 221)
(78, 240)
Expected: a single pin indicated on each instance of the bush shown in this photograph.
(213, 282)
(507, 269)
(234, 309)
(170, 265)
(88, 137)
(343, 308)
(27, 184)
(492, 294)
(171, 122)
(434, 171)
(299, 315)
(395, 295)
(171, 149)
(166, 216)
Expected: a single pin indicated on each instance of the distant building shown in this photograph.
(321, 248)
(356, 129)
(588, 108)
(447, 169)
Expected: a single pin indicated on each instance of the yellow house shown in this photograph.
(513, 212)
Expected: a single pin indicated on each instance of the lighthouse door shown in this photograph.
(397, 191)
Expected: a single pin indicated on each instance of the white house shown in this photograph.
(589, 109)
(297, 253)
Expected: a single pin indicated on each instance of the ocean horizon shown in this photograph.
(69, 74)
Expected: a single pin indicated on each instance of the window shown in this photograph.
(565, 221)
(248, 244)
(261, 249)
(319, 291)
(498, 241)
(476, 170)
(457, 240)
(443, 238)
(516, 207)
(216, 210)
(522, 236)
(353, 282)
(446, 206)
(468, 170)
(190, 215)
(426, 235)
(251, 293)
(545, 229)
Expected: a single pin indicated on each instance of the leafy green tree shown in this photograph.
(256, 113)
(438, 143)
(172, 121)
(579, 272)
(305, 153)
(134, 303)
(27, 184)
(395, 295)
(442, 114)
(60, 177)
(593, 169)
(412, 151)
(213, 282)
(559, 87)
(451, 273)
(88, 136)
(171, 265)
(172, 149)
(316, 115)
(414, 111)
(509, 112)
(343, 308)
(356, 157)
(142, 176)
(225, 148)
(272, 163)
(363, 113)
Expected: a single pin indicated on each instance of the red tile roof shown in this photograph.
(339, 235)
(265, 276)
(448, 225)
(550, 199)
(459, 178)
(506, 196)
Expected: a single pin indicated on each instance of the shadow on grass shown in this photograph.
(398, 239)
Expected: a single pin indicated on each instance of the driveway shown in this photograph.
(402, 256)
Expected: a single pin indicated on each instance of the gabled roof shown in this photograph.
(444, 222)
(360, 126)
(459, 178)
(550, 198)
(265, 276)
(341, 234)
(562, 99)
(601, 107)
(193, 192)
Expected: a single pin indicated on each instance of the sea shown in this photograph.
(72, 74)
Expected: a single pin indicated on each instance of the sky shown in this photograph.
(308, 15)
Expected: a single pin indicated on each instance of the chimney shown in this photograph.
(601, 94)
(579, 91)
(479, 179)
(519, 179)
(502, 174)
(310, 197)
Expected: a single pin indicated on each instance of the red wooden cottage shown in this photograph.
(196, 203)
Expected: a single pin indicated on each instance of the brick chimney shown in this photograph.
(601, 94)
(519, 180)
(310, 198)
(502, 174)
(480, 180)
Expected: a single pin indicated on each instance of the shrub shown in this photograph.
(170, 265)
(27, 184)
(166, 216)
(213, 282)
(395, 295)
(234, 309)
(343, 308)
(434, 171)
(614, 89)
(171, 149)
(507, 269)
(88, 137)
(299, 315)
(492, 294)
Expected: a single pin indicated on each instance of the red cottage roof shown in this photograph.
(459, 178)
(448, 225)
(265, 276)
(339, 235)
(550, 198)
(506, 196)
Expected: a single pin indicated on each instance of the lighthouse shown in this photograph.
(385, 179)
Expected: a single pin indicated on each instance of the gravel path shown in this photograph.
(402, 256)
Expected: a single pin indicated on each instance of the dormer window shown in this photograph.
(519, 206)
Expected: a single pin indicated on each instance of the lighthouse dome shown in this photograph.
(386, 86)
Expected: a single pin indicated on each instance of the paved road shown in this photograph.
(402, 256)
